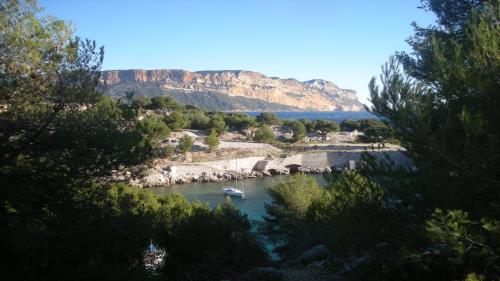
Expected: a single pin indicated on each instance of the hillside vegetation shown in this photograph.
(206, 100)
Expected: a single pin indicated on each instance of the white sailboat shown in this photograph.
(233, 190)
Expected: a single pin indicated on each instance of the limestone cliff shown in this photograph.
(253, 90)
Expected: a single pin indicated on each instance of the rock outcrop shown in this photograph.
(313, 95)
(317, 253)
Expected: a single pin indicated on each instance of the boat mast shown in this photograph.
(242, 188)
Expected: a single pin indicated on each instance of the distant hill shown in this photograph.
(234, 90)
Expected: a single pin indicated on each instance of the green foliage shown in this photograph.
(141, 102)
(239, 121)
(442, 105)
(449, 129)
(308, 124)
(212, 140)
(206, 244)
(474, 277)
(350, 125)
(60, 139)
(79, 235)
(379, 133)
(168, 151)
(175, 120)
(164, 103)
(286, 214)
(264, 134)
(152, 130)
(217, 123)
(355, 215)
(105, 221)
(211, 101)
(373, 130)
(185, 144)
(298, 129)
(365, 124)
(268, 118)
(440, 220)
(326, 126)
(57, 135)
(198, 120)
(350, 215)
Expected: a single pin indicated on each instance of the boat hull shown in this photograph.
(231, 191)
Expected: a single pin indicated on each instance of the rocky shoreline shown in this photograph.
(166, 174)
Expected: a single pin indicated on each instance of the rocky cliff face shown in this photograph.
(314, 95)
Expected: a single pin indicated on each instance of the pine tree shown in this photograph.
(212, 140)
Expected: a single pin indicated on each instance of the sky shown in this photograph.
(343, 41)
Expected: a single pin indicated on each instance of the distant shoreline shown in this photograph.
(317, 115)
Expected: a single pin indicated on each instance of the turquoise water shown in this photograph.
(253, 205)
(338, 116)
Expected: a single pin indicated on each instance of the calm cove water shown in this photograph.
(253, 205)
(338, 116)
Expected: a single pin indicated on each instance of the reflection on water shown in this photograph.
(253, 205)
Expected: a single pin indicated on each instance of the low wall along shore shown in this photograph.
(249, 167)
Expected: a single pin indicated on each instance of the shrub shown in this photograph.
(264, 134)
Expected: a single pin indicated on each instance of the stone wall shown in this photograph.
(222, 170)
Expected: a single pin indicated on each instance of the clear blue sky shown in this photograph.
(344, 41)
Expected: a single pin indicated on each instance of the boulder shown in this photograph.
(155, 179)
(317, 253)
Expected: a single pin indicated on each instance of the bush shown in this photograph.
(217, 123)
(152, 131)
(350, 125)
(264, 134)
(287, 211)
(239, 121)
(169, 151)
(298, 129)
(198, 120)
(308, 124)
(212, 140)
(379, 133)
(268, 118)
(141, 102)
(176, 120)
(207, 244)
(326, 126)
(164, 103)
(185, 144)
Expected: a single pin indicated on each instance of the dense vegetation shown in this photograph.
(177, 116)
(60, 138)
(209, 101)
(439, 221)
